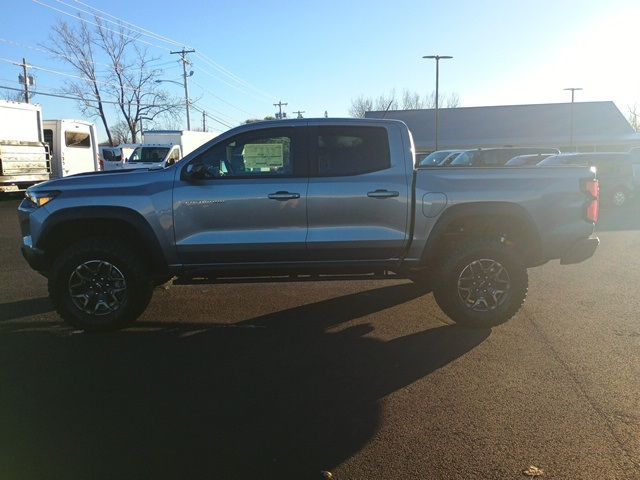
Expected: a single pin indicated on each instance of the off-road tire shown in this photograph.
(619, 198)
(446, 291)
(139, 284)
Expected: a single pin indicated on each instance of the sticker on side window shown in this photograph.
(263, 155)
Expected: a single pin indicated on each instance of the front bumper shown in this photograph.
(580, 250)
(33, 255)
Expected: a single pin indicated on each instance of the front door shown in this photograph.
(246, 202)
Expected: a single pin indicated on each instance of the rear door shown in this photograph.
(77, 149)
(358, 197)
(250, 205)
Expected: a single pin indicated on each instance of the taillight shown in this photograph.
(593, 210)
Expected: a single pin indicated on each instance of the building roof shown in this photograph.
(549, 124)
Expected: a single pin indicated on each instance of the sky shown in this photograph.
(319, 55)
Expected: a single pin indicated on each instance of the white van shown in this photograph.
(73, 146)
(161, 148)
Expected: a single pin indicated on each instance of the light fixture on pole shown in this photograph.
(573, 93)
(186, 93)
(437, 58)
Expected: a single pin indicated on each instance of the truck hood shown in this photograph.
(112, 179)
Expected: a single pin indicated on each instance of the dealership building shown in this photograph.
(597, 127)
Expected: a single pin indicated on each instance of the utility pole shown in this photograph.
(204, 121)
(280, 105)
(299, 113)
(437, 58)
(25, 79)
(573, 93)
(185, 61)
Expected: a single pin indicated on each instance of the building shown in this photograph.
(597, 126)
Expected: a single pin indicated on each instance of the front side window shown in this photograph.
(253, 154)
(352, 150)
(77, 139)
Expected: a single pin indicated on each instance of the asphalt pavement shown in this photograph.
(368, 380)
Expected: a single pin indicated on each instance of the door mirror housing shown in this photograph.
(197, 171)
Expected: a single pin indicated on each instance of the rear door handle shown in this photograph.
(383, 194)
(283, 196)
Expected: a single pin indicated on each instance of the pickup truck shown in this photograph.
(305, 200)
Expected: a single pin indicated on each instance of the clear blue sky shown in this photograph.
(318, 55)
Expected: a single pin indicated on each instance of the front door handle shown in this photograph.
(283, 196)
(383, 194)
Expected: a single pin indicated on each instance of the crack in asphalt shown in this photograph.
(582, 391)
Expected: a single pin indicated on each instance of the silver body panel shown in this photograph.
(334, 219)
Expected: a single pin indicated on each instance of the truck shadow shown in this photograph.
(282, 395)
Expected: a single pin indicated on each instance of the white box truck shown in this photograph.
(165, 147)
(73, 146)
(24, 159)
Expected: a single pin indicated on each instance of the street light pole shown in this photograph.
(573, 93)
(437, 58)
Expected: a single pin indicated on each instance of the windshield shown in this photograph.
(149, 154)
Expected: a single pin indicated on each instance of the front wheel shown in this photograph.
(99, 285)
(482, 283)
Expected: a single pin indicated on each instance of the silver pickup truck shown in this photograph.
(305, 200)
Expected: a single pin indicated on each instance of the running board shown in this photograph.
(213, 279)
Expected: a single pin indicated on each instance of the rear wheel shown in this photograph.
(482, 283)
(620, 197)
(99, 285)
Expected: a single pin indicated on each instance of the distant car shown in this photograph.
(526, 160)
(614, 171)
(434, 158)
(496, 157)
(448, 159)
(111, 158)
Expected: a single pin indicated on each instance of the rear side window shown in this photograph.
(352, 150)
(77, 139)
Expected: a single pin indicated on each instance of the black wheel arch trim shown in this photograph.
(97, 213)
(498, 209)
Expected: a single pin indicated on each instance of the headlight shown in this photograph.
(40, 199)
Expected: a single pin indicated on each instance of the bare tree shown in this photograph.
(76, 48)
(634, 117)
(386, 101)
(129, 80)
(359, 106)
(121, 133)
(453, 100)
(410, 101)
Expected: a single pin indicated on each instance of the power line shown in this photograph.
(148, 33)
(69, 97)
(77, 17)
(220, 98)
(212, 117)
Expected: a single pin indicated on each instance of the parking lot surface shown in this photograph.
(368, 380)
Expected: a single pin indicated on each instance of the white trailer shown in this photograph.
(166, 147)
(24, 159)
(73, 146)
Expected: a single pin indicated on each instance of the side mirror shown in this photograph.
(197, 171)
